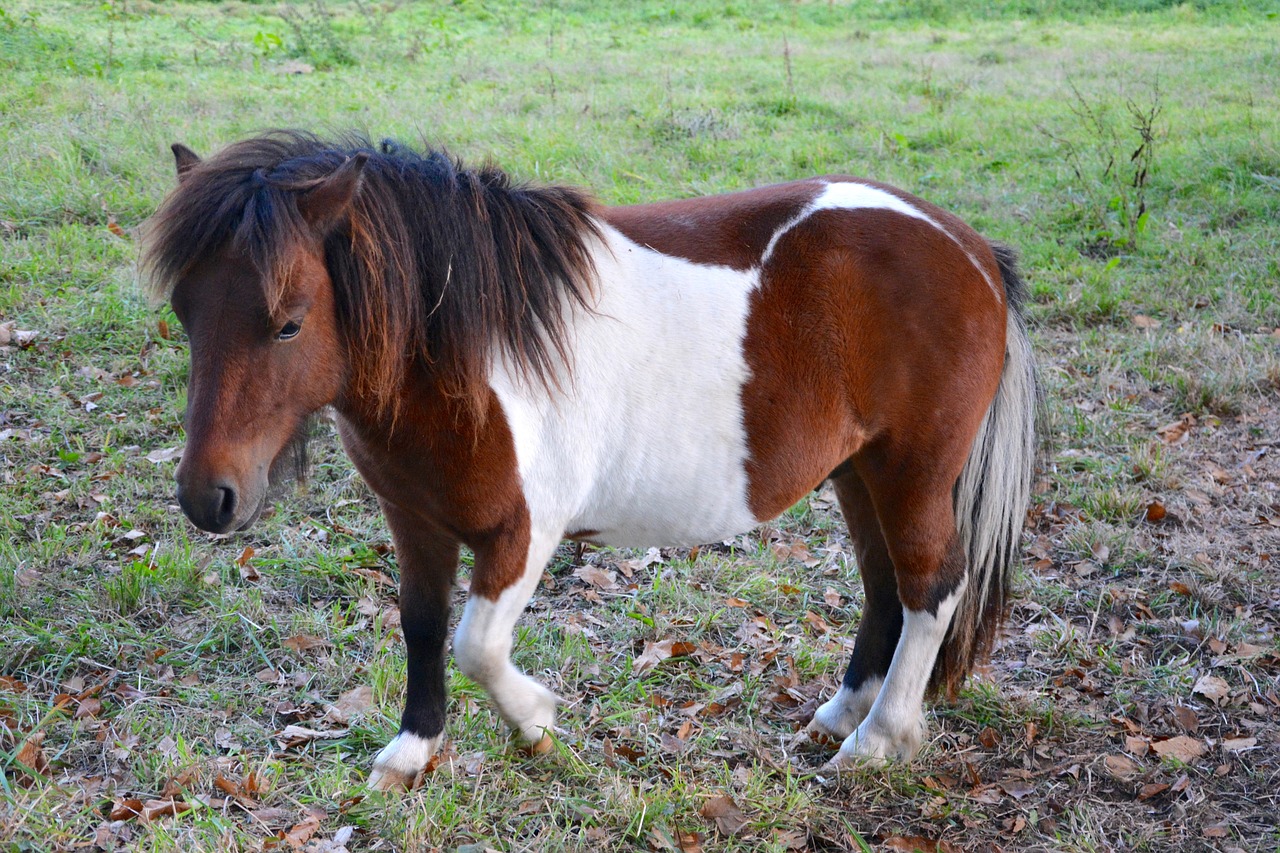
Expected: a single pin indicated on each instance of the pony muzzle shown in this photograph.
(218, 506)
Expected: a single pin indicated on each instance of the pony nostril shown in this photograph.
(227, 508)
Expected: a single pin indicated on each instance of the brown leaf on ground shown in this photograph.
(353, 703)
(294, 736)
(1121, 767)
(655, 653)
(724, 812)
(1213, 688)
(1186, 717)
(31, 754)
(167, 454)
(1152, 790)
(599, 578)
(1178, 432)
(156, 809)
(1181, 747)
(301, 833)
(303, 642)
(1239, 744)
(126, 809)
(792, 839)
(920, 844)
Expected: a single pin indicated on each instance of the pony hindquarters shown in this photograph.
(935, 554)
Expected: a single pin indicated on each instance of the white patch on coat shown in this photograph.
(894, 727)
(482, 648)
(645, 443)
(849, 195)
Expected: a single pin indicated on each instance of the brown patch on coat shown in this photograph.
(441, 466)
(869, 326)
(729, 230)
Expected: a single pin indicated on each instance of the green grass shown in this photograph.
(1022, 117)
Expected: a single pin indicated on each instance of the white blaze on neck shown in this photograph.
(848, 195)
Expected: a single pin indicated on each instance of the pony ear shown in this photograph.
(325, 203)
(184, 158)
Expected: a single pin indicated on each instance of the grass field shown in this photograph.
(148, 672)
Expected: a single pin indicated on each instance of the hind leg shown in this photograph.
(917, 518)
(881, 623)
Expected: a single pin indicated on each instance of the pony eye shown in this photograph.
(288, 330)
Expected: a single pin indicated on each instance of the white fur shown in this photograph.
(482, 649)
(401, 760)
(894, 727)
(646, 444)
(841, 714)
(849, 195)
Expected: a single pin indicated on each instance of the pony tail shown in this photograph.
(992, 495)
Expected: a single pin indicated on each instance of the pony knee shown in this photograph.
(480, 658)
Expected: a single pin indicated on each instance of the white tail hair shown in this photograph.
(992, 494)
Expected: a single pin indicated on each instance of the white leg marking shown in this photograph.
(482, 649)
(840, 715)
(401, 760)
(894, 727)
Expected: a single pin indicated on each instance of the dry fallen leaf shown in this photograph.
(1183, 748)
(1239, 744)
(919, 844)
(1186, 718)
(126, 809)
(303, 642)
(1152, 789)
(1177, 432)
(168, 454)
(31, 754)
(301, 833)
(1122, 767)
(1213, 688)
(724, 812)
(655, 653)
(156, 809)
(599, 578)
(293, 736)
(353, 703)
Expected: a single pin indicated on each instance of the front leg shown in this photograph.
(506, 573)
(428, 561)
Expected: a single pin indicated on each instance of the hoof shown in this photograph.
(542, 747)
(392, 780)
(870, 746)
(400, 763)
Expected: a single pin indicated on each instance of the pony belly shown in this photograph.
(660, 528)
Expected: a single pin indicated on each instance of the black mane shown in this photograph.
(434, 259)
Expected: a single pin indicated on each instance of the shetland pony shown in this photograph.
(514, 365)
